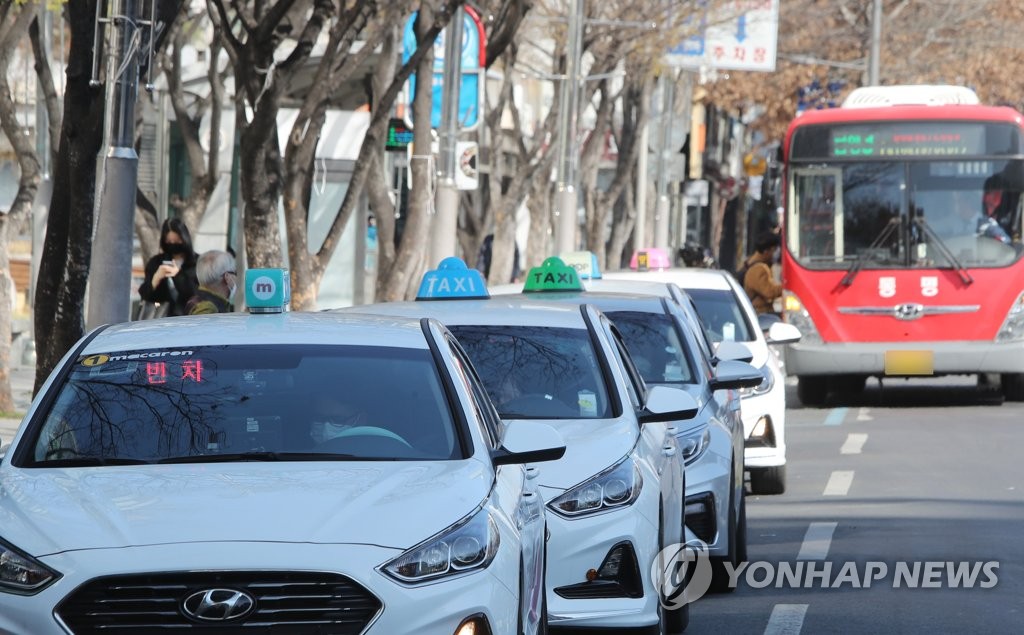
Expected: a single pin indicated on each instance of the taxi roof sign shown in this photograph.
(552, 275)
(650, 258)
(584, 262)
(267, 290)
(452, 280)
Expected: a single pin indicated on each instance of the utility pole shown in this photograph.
(567, 201)
(874, 72)
(446, 214)
(110, 269)
(663, 209)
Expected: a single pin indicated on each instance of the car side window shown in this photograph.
(485, 412)
(635, 384)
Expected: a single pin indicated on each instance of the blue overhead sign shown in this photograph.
(472, 67)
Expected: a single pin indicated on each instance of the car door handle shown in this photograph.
(532, 472)
(669, 450)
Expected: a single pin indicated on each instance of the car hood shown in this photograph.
(591, 445)
(391, 504)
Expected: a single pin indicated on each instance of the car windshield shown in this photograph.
(722, 315)
(225, 403)
(655, 346)
(534, 372)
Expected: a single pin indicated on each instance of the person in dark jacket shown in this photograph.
(217, 283)
(171, 274)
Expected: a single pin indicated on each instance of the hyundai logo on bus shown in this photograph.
(267, 290)
(452, 280)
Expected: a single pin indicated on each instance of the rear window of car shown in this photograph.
(655, 346)
(722, 314)
(535, 372)
(223, 403)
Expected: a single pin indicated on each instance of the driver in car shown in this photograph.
(333, 418)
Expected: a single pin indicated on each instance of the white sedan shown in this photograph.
(728, 316)
(294, 473)
(616, 499)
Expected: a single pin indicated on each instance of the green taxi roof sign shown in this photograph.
(552, 275)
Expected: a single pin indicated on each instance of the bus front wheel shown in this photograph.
(812, 390)
(1013, 386)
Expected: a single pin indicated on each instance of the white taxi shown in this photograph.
(728, 316)
(290, 472)
(616, 499)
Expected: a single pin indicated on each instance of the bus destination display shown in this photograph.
(908, 140)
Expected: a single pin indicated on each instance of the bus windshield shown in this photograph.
(905, 214)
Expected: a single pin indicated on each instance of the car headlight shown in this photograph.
(21, 573)
(469, 544)
(618, 486)
(767, 382)
(693, 443)
(793, 311)
(1013, 327)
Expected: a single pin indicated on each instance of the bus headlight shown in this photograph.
(793, 311)
(1012, 329)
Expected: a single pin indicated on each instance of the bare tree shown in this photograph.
(15, 20)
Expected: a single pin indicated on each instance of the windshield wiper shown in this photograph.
(258, 456)
(965, 276)
(859, 261)
(89, 461)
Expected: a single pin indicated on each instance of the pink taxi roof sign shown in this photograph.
(650, 258)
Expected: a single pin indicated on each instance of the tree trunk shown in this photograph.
(395, 282)
(537, 245)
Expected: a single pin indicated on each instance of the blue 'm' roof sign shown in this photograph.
(452, 280)
(584, 262)
(267, 290)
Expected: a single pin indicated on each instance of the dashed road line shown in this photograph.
(817, 541)
(786, 619)
(836, 416)
(839, 483)
(864, 414)
(854, 443)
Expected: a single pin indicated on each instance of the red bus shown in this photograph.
(903, 240)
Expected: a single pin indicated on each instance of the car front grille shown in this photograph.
(297, 603)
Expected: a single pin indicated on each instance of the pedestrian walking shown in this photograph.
(171, 274)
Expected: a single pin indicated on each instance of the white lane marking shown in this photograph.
(786, 619)
(863, 414)
(854, 443)
(817, 541)
(839, 483)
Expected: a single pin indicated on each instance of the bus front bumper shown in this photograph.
(905, 359)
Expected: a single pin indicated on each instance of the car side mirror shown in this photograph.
(665, 403)
(783, 333)
(528, 442)
(733, 351)
(732, 374)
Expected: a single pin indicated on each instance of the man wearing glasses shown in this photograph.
(217, 283)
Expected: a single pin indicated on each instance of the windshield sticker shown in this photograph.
(100, 359)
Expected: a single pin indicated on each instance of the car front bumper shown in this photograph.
(435, 608)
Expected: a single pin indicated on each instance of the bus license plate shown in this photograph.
(909, 363)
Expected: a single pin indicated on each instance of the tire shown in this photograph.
(768, 480)
(719, 571)
(670, 622)
(741, 532)
(1013, 386)
(849, 385)
(812, 390)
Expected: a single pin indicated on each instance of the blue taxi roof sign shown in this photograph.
(552, 275)
(268, 290)
(584, 262)
(452, 280)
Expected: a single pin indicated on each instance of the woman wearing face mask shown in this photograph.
(217, 283)
(171, 274)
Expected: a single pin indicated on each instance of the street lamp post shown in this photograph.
(446, 216)
(567, 196)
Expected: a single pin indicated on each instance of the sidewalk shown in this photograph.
(22, 378)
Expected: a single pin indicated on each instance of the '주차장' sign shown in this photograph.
(739, 35)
